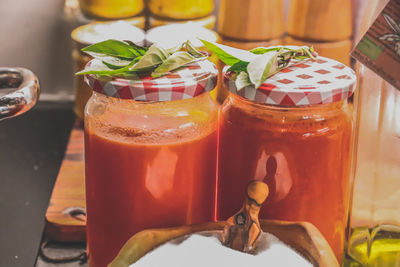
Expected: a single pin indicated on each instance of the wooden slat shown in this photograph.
(69, 193)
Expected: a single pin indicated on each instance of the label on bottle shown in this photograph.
(379, 49)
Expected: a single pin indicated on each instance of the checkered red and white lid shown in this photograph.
(187, 82)
(307, 83)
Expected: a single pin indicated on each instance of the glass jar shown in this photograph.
(181, 9)
(375, 222)
(295, 134)
(150, 157)
(115, 9)
(92, 33)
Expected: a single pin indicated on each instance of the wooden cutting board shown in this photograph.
(65, 216)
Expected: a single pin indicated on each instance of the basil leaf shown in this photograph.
(239, 66)
(193, 50)
(173, 62)
(227, 54)
(115, 63)
(153, 57)
(262, 67)
(242, 80)
(139, 50)
(113, 48)
(99, 68)
(263, 50)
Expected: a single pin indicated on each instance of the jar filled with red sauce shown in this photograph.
(295, 134)
(150, 148)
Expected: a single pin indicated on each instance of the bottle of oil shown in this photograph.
(374, 237)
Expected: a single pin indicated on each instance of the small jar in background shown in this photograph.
(92, 33)
(206, 22)
(328, 20)
(295, 134)
(150, 155)
(251, 20)
(115, 9)
(180, 9)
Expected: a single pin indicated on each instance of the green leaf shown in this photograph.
(239, 66)
(109, 61)
(242, 80)
(116, 63)
(193, 50)
(175, 49)
(227, 54)
(262, 67)
(139, 50)
(113, 48)
(173, 62)
(153, 57)
(99, 68)
(263, 50)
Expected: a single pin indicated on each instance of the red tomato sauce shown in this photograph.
(132, 186)
(304, 157)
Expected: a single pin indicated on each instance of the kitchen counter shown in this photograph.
(32, 148)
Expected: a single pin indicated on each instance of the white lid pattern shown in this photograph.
(186, 82)
(307, 83)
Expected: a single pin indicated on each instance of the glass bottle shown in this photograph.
(374, 237)
(375, 223)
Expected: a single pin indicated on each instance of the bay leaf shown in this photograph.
(193, 50)
(176, 60)
(262, 67)
(153, 57)
(263, 50)
(242, 80)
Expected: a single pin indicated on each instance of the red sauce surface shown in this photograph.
(306, 163)
(135, 186)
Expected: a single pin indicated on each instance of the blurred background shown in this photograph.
(36, 34)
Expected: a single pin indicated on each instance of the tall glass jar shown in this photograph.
(150, 151)
(295, 134)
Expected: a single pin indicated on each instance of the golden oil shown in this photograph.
(374, 247)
